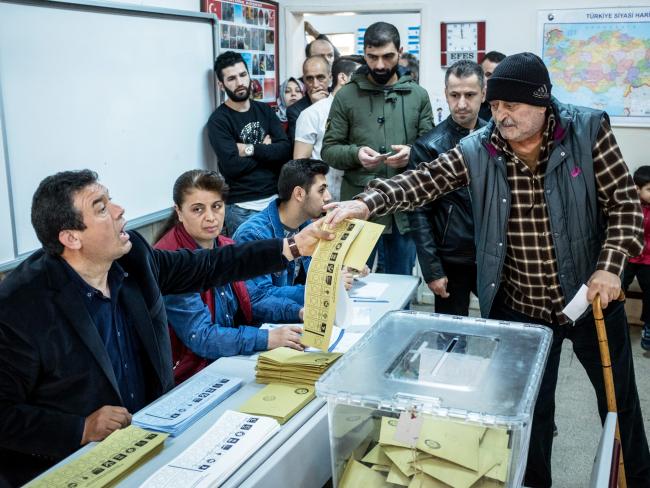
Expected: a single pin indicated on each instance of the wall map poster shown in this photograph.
(250, 27)
(599, 58)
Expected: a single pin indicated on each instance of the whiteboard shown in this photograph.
(122, 91)
(6, 241)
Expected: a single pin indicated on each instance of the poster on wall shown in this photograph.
(250, 28)
(361, 31)
(413, 46)
(412, 41)
(599, 58)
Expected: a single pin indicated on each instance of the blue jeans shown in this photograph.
(585, 346)
(235, 216)
(399, 253)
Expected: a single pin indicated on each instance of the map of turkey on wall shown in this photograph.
(600, 58)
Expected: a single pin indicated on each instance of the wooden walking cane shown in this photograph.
(610, 393)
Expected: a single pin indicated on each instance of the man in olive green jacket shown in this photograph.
(372, 122)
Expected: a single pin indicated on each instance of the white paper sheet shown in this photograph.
(361, 289)
(214, 456)
(576, 307)
(360, 316)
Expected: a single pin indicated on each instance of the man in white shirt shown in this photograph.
(310, 127)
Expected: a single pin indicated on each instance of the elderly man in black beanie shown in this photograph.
(554, 208)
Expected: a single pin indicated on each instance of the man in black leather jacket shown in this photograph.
(443, 230)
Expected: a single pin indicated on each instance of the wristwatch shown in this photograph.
(293, 247)
(249, 149)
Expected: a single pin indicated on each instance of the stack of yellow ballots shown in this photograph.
(291, 376)
(285, 365)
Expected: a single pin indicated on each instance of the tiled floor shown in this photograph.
(577, 416)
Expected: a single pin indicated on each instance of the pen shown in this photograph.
(369, 300)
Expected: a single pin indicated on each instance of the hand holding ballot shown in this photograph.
(350, 247)
(351, 209)
(307, 240)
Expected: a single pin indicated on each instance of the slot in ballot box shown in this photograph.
(430, 400)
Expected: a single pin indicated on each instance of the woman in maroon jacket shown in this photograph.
(206, 326)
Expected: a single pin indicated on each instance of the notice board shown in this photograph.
(250, 28)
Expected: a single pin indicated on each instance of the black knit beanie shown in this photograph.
(521, 78)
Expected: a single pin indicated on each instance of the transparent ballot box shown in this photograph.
(427, 400)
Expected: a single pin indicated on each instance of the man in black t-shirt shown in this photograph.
(248, 139)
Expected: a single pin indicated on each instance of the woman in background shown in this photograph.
(206, 326)
(290, 92)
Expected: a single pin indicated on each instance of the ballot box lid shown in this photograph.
(473, 369)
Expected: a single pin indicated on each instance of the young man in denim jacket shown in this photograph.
(302, 192)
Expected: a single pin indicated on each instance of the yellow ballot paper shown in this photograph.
(324, 275)
(286, 355)
(396, 477)
(348, 419)
(387, 432)
(363, 245)
(405, 458)
(357, 475)
(279, 401)
(494, 449)
(120, 452)
(422, 480)
(459, 476)
(450, 473)
(377, 456)
(453, 441)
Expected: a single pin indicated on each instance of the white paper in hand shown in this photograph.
(576, 307)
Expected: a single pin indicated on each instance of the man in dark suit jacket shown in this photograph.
(83, 329)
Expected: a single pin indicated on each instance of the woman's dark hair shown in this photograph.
(53, 206)
(195, 179)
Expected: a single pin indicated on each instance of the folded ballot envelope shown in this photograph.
(356, 474)
(279, 401)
